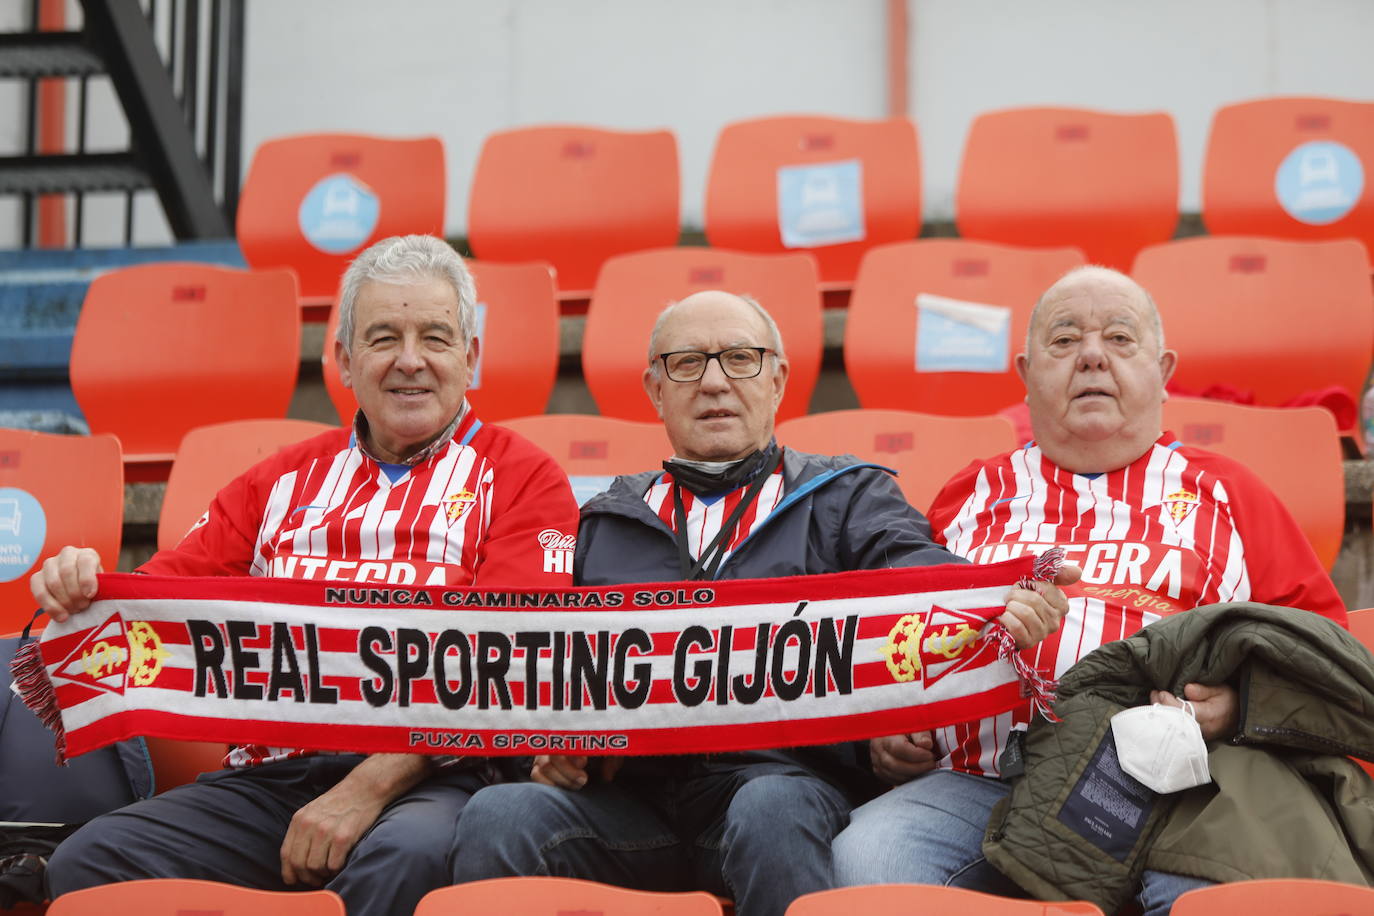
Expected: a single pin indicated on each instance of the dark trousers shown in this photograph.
(229, 827)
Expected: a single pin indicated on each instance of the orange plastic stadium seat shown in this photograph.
(210, 457)
(832, 186)
(162, 348)
(313, 201)
(184, 897)
(934, 325)
(1297, 168)
(573, 196)
(634, 288)
(1106, 183)
(517, 329)
(930, 898)
(1274, 319)
(592, 450)
(1296, 451)
(924, 449)
(54, 491)
(544, 896)
(1276, 895)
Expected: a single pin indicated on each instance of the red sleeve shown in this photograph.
(221, 543)
(534, 520)
(1283, 569)
(951, 498)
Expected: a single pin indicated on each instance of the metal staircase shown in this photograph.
(184, 139)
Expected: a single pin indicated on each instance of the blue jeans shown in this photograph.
(229, 827)
(930, 831)
(758, 833)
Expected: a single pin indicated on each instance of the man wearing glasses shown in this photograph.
(755, 826)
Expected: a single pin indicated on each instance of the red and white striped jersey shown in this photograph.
(485, 507)
(1177, 528)
(704, 517)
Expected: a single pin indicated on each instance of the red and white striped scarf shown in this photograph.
(696, 667)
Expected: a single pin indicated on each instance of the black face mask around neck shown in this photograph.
(737, 475)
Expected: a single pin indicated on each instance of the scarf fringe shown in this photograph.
(1040, 690)
(36, 690)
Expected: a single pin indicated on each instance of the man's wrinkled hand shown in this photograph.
(901, 758)
(324, 832)
(1217, 707)
(1036, 612)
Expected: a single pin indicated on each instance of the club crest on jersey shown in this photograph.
(456, 505)
(935, 644)
(113, 656)
(1180, 504)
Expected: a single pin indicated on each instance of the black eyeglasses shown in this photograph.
(736, 363)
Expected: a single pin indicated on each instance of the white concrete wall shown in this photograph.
(463, 68)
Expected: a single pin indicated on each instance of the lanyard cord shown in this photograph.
(713, 554)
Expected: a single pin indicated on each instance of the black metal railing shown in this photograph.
(184, 110)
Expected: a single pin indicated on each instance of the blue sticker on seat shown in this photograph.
(23, 527)
(1319, 182)
(479, 333)
(585, 486)
(338, 214)
(957, 336)
(821, 204)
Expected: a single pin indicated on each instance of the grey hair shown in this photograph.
(407, 259)
(775, 343)
(1099, 270)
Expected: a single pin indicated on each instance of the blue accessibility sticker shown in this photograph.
(1319, 182)
(23, 528)
(479, 332)
(821, 204)
(339, 214)
(957, 336)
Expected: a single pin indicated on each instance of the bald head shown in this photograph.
(707, 297)
(1095, 368)
(716, 417)
(1106, 277)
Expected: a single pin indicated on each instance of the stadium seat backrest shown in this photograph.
(907, 346)
(546, 896)
(924, 449)
(929, 898)
(1296, 168)
(1106, 183)
(592, 450)
(311, 202)
(573, 196)
(632, 289)
(183, 896)
(210, 457)
(54, 491)
(832, 186)
(1362, 626)
(517, 325)
(1276, 895)
(162, 348)
(1295, 450)
(1269, 318)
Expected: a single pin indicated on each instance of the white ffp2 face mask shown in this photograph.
(1161, 746)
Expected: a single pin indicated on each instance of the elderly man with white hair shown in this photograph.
(418, 491)
(1159, 528)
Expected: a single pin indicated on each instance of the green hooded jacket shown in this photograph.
(1285, 800)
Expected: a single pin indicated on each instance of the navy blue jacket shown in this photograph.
(837, 514)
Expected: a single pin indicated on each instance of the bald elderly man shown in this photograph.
(1159, 528)
(755, 826)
